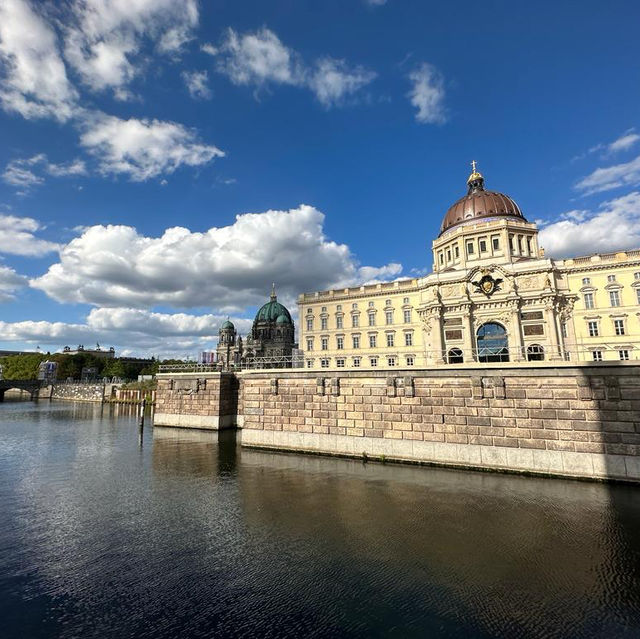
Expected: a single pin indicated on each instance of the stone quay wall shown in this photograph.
(80, 392)
(190, 400)
(578, 421)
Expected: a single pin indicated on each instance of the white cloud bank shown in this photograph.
(144, 332)
(615, 226)
(227, 268)
(17, 237)
(22, 172)
(427, 94)
(611, 177)
(260, 59)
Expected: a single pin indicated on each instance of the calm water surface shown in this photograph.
(179, 535)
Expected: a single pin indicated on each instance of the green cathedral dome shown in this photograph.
(273, 311)
(228, 324)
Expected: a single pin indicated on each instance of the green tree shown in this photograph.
(23, 366)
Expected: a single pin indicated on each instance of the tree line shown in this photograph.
(26, 365)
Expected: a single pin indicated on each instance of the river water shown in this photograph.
(104, 534)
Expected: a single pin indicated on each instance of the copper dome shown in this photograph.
(478, 205)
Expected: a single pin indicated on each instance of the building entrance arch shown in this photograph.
(492, 343)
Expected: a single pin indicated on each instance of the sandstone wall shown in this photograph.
(573, 421)
(197, 401)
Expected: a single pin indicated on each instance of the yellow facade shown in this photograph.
(492, 297)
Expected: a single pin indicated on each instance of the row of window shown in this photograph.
(323, 309)
(517, 243)
(623, 355)
(355, 320)
(619, 327)
(355, 341)
(586, 281)
(341, 362)
(614, 299)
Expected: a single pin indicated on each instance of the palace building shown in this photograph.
(493, 296)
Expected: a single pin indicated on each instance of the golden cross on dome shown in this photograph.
(473, 166)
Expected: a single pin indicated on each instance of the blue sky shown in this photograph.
(344, 128)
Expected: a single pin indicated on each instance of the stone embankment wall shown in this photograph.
(80, 392)
(197, 400)
(577, 421)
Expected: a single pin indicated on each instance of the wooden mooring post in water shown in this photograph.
(143, 403)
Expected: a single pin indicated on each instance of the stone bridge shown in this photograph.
(30, 385)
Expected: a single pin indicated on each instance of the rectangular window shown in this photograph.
(564, 330)
(373, 361)
(391, 361)
(323, 324)
(456, 250)
(340, 343)
(588, 300)
(586, 281)
(511, 245)
(309, 324)
(356, 341)
(390, 339)
(339, 322)
(618, 325)
(638, 294)
(324, 362)
(636, 275)
(309, 363)
(469, 248)
(520, 249)
(448, 255)
(372, 319)
(372, 341)
(355, 321)
(388, 316)
(529, 245)
(407, 316)
(496, 243)
(611, 278)
(408, 339)
(340, 362)
(310, 344)
(614, 298)
(441, 256)
(325, 343)
(593, 329)
(483, 246)
(624, 355)
(410, 360)
(597, 356)
(356, 362)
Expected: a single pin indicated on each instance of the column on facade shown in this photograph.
(517, 346)
(468, 336)
(550, 319)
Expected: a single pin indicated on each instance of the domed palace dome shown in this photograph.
(479, 205)
(228, 325)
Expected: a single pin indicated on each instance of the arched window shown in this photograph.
(493, 345)
(535, 353)
(455, 356)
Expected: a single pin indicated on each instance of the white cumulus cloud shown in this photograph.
(104, 38)
(225, 268)
(141, 148)
(10, 282)
(197, 84)
(614, 226)
(261, 59)
(33, 77)
(22, 172)
(611, 177)
(18, 237)
(427, 94)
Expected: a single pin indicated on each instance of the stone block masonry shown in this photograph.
(572, 421)
(208, 401)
